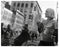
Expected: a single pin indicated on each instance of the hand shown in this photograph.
(45, 31)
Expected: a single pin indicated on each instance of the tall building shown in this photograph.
(30, 9)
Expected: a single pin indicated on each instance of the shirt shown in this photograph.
(49, 29)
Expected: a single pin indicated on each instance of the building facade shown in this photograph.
(30, 9)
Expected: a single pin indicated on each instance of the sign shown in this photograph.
(30, 22)
(19, 21)
(7, 16)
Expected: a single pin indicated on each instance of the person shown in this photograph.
(9, 31)
(2, 33)
(34, 35)
(6, 38)
(56, 33)
(8, 28)
(8, 34)
(2, 29)
(47, 34)
(40, 27)
(23, 37)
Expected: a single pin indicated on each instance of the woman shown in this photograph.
(46, 36)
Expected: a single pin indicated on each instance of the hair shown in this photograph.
(51, 11)
(2, 24)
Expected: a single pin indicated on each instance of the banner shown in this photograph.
(19, 21)
(7, 16)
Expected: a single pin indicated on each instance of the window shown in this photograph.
(35, 8)
(31, 17)
(18, 8)
(31, 5)
(26, 5)
(25, 11)
(18, 4)
(25, 16)
(14, 4)
(22, 5)
(21, 10)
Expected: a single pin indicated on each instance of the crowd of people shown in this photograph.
(6, 34)
(47, 32)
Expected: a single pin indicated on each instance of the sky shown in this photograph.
(48, 4)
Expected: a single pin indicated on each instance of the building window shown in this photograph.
(31, 17)
(31, 5)
(25, 16)
(26, 5)
(25, 11)
(18, 4)
(21, 10)
(18, 8)
(14, 4)
(22, 5)
(35, 8)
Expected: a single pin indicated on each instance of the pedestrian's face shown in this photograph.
(48, 14)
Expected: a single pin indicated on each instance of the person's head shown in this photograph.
(50, 13)
(8, 26)
(26, 26)
(16, 31)
(2, 24)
